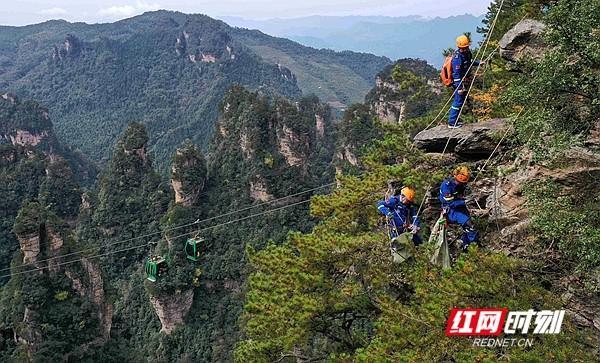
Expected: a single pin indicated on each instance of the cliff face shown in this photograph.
(258, 189)
(41, 236)
(47, 291)
(91, 285)
(388, 110)
(293, 147)
(188, 174)
(26, 124)
(27, 127)
(263, 140)
(404, 90)
(171, 310)
(354, 132)
(70, 48)
(522, 202)
(30, 247)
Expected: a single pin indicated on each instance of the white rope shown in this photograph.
(487, 40)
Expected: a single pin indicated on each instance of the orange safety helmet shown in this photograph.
(409, 193)
(462, 174)
(463, 41)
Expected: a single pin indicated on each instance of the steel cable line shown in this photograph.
(172, 228)
(151, 243)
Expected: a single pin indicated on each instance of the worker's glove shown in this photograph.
(414, 229)
(390, 215)
(461, 91)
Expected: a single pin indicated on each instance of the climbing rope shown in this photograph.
(487, 40)
(455, 90)
(496, 148)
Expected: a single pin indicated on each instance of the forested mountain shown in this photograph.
(34, 165)
(292, 260)
(93, 304)
(393, 37)
(532, 142)
(166, 70)
(87, 243)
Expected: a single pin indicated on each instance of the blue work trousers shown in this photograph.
(461, 216)
(459, 101)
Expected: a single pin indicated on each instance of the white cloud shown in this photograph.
(119, 11)
(52, 11)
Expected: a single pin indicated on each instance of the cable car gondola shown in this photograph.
(156, 266)
(192, 248)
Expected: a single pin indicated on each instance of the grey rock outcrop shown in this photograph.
(188, 175)
(30, 246)
(524, 39)
(93, 288)
(259, 189)
(504, 201)
(473, 141)
(293, 147)
(71, 47)
(388, 110)
(172, 309)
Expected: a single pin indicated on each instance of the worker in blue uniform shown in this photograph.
(452, 197)
(461, 64)
(401, 213)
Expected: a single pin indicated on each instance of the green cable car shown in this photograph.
(156, 266)
(192, 248)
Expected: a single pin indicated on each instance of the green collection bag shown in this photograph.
(402, 247)
(439, 236)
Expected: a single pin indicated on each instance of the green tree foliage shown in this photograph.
(513, 11)
(41, 307)
(211, 327)
(561, 90)
(130, 197)
(559, 94)
(569, 220)
(356, 130)
(136, 69)
(334, 294)
(28, 120)
(59, 190)
(189, 168)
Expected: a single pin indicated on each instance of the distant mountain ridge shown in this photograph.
(167, 70)
(392, 37)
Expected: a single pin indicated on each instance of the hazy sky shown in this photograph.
(23, 12)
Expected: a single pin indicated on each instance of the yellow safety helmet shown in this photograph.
(463, 41)
(409, 193)
(462, 174)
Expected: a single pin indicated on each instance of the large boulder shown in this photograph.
(524, 39)
(472, 141)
